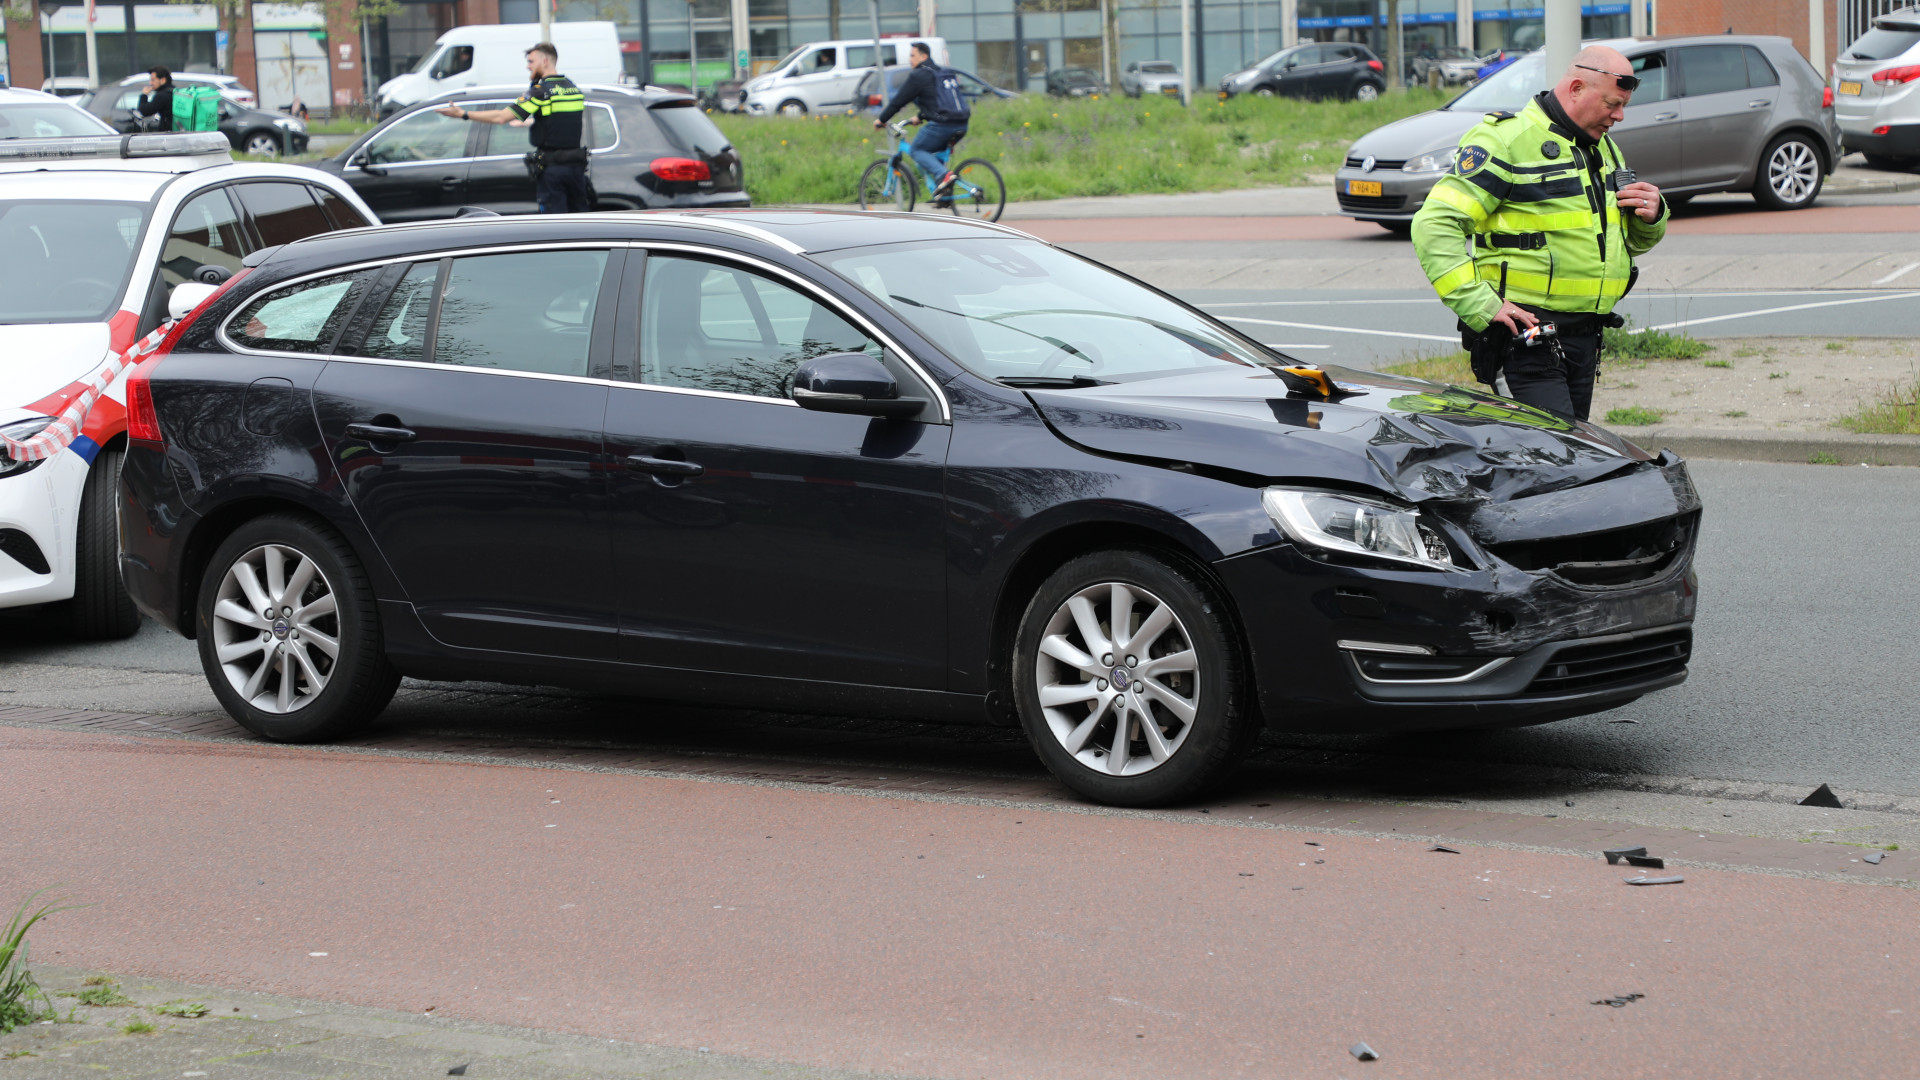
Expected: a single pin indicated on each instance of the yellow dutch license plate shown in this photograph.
(1170, 91)
(1852, 89)
(1363, 187)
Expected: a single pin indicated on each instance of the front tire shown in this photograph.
(100, 609)
(1367, 91)
(1155, 712)
(264, 143)
(289, 633)
(873, 187)
(1264, 91)
(1789, 174)
(792, 107)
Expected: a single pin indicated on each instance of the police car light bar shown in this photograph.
(182, 144)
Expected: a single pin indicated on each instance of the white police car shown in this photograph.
(95, 232)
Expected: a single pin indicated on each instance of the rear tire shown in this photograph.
(100, 609)
(317, 668)
(988, 200)
(873, 184)
(1367, 91)
(1156, 714)
(1790, 174)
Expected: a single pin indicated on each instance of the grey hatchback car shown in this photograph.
(1722, 113)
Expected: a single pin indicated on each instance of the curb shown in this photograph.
(1796, 447)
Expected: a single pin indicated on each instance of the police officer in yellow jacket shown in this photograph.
(555, 109)
(1538, 223)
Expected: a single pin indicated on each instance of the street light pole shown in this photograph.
(93, 52)
(1186, 52)
(693, 55)
(546, 20)
(1563, 37)
(873, 21)
(1817, 36)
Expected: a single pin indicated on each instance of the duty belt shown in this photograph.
(1530, 241)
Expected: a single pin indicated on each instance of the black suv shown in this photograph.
(652, 149)
(1334, 69)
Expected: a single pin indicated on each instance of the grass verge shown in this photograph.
(1047, 148)
(17, 986)
(1895, 412)
(1634, 416)
(1630, 344)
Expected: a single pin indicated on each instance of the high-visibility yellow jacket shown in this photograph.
(1542, 217)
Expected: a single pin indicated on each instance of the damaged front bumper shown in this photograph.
(1561, 604)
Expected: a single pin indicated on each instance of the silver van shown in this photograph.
(1721, 113)
(1876, 91)
(821, 76)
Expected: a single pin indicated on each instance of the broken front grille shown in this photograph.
(1630, 660)
(1616, 557)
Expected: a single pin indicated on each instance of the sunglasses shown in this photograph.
(1629, 83)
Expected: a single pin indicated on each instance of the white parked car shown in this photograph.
(97, 231)
(1150, 77)
(820, 76)
(1876, 91)
(35, 114)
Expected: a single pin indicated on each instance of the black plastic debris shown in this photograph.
(1823, 796)
(1246, 875)
(1299, 888)
(1653, 880)
(1443, 847)
(1873, 857)
(1364, 1052)
(1313, 843)
(458, 1070)
(1615, 854)
(1649, 861)
(1317, 862)
(1623, 721)
(1619, 1001)
(1569, 802)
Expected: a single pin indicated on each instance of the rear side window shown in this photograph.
(525, 311)
(601, 132)
(1759, 71)
(342, 213)
(688, 127)
(1712, 69)
(206, 233)
(282, 212)
(1884, 43)
(303, 318)
(400, 330)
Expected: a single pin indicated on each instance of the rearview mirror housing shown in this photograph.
(851, 382)
(186, 296)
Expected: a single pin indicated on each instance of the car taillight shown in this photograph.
(1826, 98)
(1906, 74)
(143, 421)
(1376, 65)
(1883, 129)
(873, 99)
(682, 169)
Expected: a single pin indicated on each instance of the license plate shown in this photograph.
(1851, 89)
(1170, 91)
(1363, 187)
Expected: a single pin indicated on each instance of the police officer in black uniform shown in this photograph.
(556, 110)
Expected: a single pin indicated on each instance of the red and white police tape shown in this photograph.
(60, 434)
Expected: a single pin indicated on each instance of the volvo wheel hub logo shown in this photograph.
(281, 629)
(1119, 678)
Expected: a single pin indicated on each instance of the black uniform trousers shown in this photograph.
(1557, 373)
(562, 189)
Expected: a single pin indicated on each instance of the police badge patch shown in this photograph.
(1470, 159)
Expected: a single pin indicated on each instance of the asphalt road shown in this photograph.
(1803, 668)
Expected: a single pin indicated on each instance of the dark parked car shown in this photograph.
(876, 464)
(1335, 69)
(250, 130)
(1075, 82)
(651, 149)
(868, 99)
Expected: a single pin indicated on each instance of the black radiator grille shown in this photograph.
(1631, 660)
(1372, 204)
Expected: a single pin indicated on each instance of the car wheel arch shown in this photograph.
(213, 529)
(1813, 137)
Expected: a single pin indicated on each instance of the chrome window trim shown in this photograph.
(612, 119)
(818, 295)
(354, 268)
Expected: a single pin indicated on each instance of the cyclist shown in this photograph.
(943, 110)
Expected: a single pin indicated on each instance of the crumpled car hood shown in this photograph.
(1410, 438)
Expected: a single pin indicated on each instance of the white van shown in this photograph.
(494, 55)
(821, 75)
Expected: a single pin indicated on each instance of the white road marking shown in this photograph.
(1343, 329)
(1781, 310)
(1897, 274)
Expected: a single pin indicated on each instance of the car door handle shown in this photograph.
(450, 182)
(377, 433)
(1665, 115)
(663, 466)
(1759, 104)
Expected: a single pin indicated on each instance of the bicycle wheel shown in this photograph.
(873, 187)
(978, 192)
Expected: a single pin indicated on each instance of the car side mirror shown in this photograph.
(186, 296)
(851, 382)
(362, 161)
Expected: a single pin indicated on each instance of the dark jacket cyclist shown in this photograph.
(555, 109)
(943, 110)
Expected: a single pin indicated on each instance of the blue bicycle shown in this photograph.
(978, 191)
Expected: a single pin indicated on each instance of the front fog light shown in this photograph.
(1356, 525)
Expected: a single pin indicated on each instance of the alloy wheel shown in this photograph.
(276, 628)
(1793, 171)
(1366, 92)
(263, 144)
(1118, 679)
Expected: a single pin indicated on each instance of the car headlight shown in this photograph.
(1356, 525)
(290, 123)
(21, 429)
(1437, 161)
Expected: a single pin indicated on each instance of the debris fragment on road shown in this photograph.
(1623, 721)
(1614, 855)
(1443, 847)
(1652, 862)
(458, 1070)
(1873, 857)
(1364, 1052)
(1823, 796)
(1619, 1001)
(1653, 880)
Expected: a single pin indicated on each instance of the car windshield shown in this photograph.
(1020, 310)
(780, 65)
(1506, 90)
(1455, 52)
(48, 120)
(67, 260)
(427, 61)
(1157, 67)
(1277, 58)
(1884, 42)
